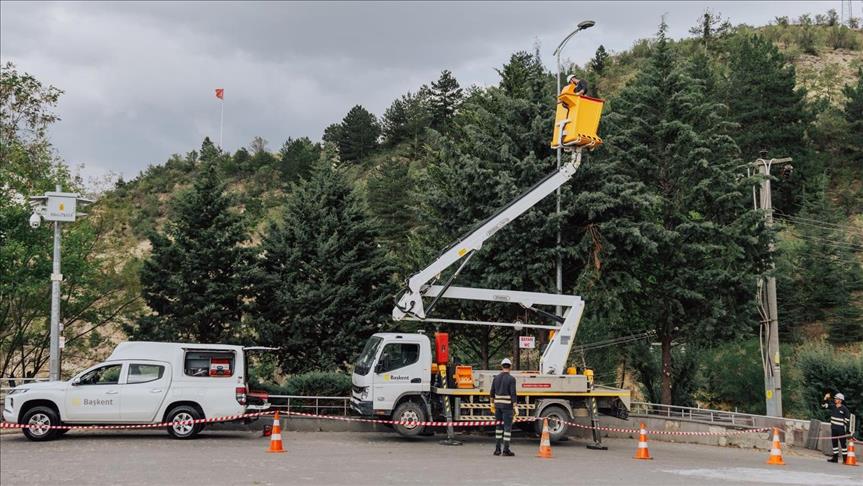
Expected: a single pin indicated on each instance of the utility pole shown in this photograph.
(767, 298)
(56, 207)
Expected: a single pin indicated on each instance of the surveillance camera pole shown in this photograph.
(56, 277)
(56, 207)
(767, 299)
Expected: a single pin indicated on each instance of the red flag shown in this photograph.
(220, 93)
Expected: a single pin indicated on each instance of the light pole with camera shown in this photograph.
(58, 207)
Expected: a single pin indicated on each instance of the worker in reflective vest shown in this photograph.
(840, 422)
(503, 401)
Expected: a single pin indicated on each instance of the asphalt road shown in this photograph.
(344, 458)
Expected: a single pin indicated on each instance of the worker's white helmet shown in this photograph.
(570, 78)
(506, 362)
(839, 396)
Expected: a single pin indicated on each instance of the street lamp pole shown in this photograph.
(56, 207)
(586, 24)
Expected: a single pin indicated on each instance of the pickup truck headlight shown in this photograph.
(18, 391)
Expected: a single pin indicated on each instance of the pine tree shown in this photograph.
(706, 248)
(853, 113)
(390, 200)
(323, 282)
(597, 64)
(406, 120)
(445, 98)
(357, 136)
(770, 112)
(820, 270)
(522, 76)
(297, 157)
(195, 280)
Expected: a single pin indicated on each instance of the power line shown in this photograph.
(823, 226)
(833, 243)
(792, 217)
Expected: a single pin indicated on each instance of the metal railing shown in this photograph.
(336, 406)
(706, 415)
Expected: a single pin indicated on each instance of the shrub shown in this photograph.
(314, 383)
(824, 370)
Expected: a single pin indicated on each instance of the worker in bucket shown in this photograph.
(575, 86)
(840, 418)
(503, 402)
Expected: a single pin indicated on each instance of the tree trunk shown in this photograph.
(666, 370)
(516, 355)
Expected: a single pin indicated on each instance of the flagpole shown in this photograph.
(221, 122)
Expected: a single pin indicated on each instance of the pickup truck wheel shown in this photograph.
(40, 420)
(556, 416)
(184, 430)
(411, 412)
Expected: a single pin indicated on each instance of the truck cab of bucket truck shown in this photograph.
(391, 368)
(140, 383)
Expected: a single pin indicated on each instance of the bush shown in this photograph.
(314, 383)
(733, 377)
(824, 370)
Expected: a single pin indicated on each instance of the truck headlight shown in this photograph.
(18, 391)
(365, 393)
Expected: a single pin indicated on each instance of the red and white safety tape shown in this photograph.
(463, 423)
(227, 418)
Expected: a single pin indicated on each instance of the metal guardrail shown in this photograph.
(706, 415)
(337, 406)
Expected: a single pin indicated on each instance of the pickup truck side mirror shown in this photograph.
(76, 381)
(379, 368)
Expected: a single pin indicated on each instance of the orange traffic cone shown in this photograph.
(544, 442)
(276, 435)
(776, 451)
(850, 457)
(642, 452)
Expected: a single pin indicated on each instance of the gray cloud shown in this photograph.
(139, 77)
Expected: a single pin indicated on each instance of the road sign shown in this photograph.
(60, 207)
(526, 342)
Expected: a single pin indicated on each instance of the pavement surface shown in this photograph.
(360, 458)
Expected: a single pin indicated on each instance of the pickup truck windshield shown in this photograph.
(370, 352)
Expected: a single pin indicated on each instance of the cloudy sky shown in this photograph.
(139, 78)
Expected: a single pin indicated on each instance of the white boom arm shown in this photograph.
(410, 304)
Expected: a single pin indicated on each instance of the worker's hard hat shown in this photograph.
(839, 396)
(570, 78)
(506, 362)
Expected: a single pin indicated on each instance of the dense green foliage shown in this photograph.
(825, 371)
(322, 283)
(196, 278)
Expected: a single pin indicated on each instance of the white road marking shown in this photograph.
(772, 476)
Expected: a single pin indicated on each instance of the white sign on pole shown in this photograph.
(526, 342)
(62, 342)
(61, 208)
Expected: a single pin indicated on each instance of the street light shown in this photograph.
(585, 24)
(58, 207)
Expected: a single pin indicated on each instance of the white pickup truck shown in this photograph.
(140, 383)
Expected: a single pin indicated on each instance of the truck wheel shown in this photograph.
(184, 431)
(412, 412)
(40, 419)
(556, 416)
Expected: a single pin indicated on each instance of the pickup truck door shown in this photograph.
(145, 388)
(94, 396)
(399, 370)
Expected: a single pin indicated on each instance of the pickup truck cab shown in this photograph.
(140, 383)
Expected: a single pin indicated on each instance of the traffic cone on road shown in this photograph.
(850, 457)
(276, 435)
(544, 442)
(642, 452)
(776, 450)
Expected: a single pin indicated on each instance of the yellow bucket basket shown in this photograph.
(576, 122)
